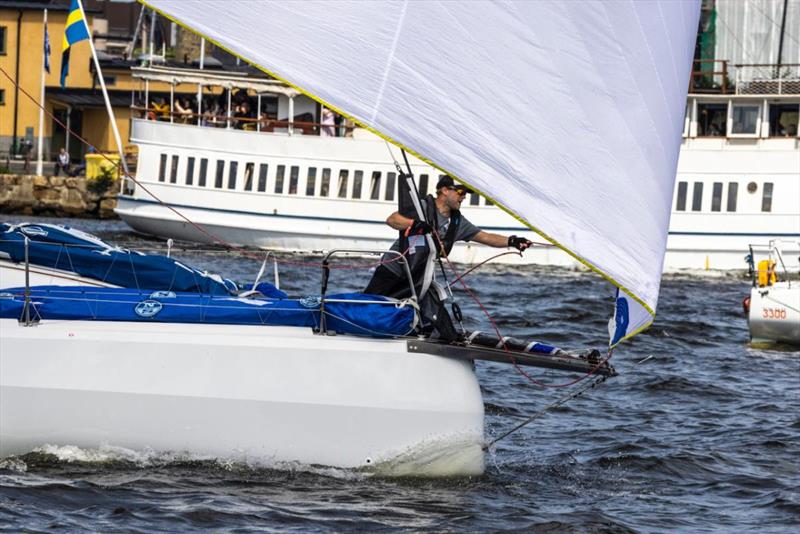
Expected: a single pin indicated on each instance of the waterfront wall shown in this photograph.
(56, 196)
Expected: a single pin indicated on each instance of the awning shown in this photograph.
(228, 80)
(88, 98)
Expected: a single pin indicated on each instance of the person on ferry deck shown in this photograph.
(328, 123)
(443, 215)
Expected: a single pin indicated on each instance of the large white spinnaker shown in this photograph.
(567, 114)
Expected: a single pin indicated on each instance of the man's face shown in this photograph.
(454, 196)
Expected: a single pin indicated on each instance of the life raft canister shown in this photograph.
(766, 273)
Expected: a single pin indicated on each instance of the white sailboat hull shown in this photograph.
(774, 314)
(269, 395)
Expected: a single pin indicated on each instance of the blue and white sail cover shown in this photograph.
(72, 250)
(568, 114)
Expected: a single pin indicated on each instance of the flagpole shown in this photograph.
(105, 92)
(39, 166)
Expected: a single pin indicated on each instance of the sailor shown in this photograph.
(442, 214)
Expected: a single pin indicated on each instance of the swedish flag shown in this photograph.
(74, 31)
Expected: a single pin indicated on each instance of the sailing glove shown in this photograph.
(419, 228)
(519, 243)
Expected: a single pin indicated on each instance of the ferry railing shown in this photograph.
(709, 76)
(326, 271)
(233, 122)
(767, 79)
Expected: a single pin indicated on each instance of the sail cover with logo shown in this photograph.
(567, 114)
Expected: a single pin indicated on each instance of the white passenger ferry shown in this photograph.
(279, 182)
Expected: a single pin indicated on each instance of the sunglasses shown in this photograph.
(461, 191)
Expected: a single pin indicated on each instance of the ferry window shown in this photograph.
(343, 183)
(311, 181)
(189, 171)
(325, 184)
(358, 177)
(680, 203)
(262, 177)
(733, 193)
(294, 177)
(279, 172)
(220, 174)
(201, 180)
(766, 200)
(697, 196)
(745, 119)
(375, 186)
(391, 177)
(712, 119)
(489, 202)
(234, 166)
(423, 184)
(783, 120)
(162, 168)
(716, 197)
(249, 169)
(474, 199)
(173, 171)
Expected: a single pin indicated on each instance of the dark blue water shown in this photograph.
(703, 436)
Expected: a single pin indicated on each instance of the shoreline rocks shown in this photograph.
(56, 196)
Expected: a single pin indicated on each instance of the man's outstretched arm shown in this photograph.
(501, 241)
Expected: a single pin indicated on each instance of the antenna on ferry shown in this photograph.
(99, 72)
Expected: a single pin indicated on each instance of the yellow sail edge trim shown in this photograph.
(321, 101)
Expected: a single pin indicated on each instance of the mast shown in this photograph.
(780, 41)
(111, 117)
(39, 165)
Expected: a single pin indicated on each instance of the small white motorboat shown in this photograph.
(773, 307)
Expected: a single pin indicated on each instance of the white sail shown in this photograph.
(567, 114)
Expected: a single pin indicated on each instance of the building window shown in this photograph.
(358, 178)
(249, 169)
(716, 197)
(744, 119)
(343, 174)
(234, 167)
(173, 172)
(294, 177)
(733, 193)
(220, 174)
(680, 203)
(711, 120)
(423, 184)
(697, 196)
(189, 171)
(2, 97)
(783, 120)
(279, 172)
(325, 185)
(162, 168)
(201, 180)
(262, 177)
(391, 177)
(766, 200)
(375, 186)
(311, 181)
(3, 35)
